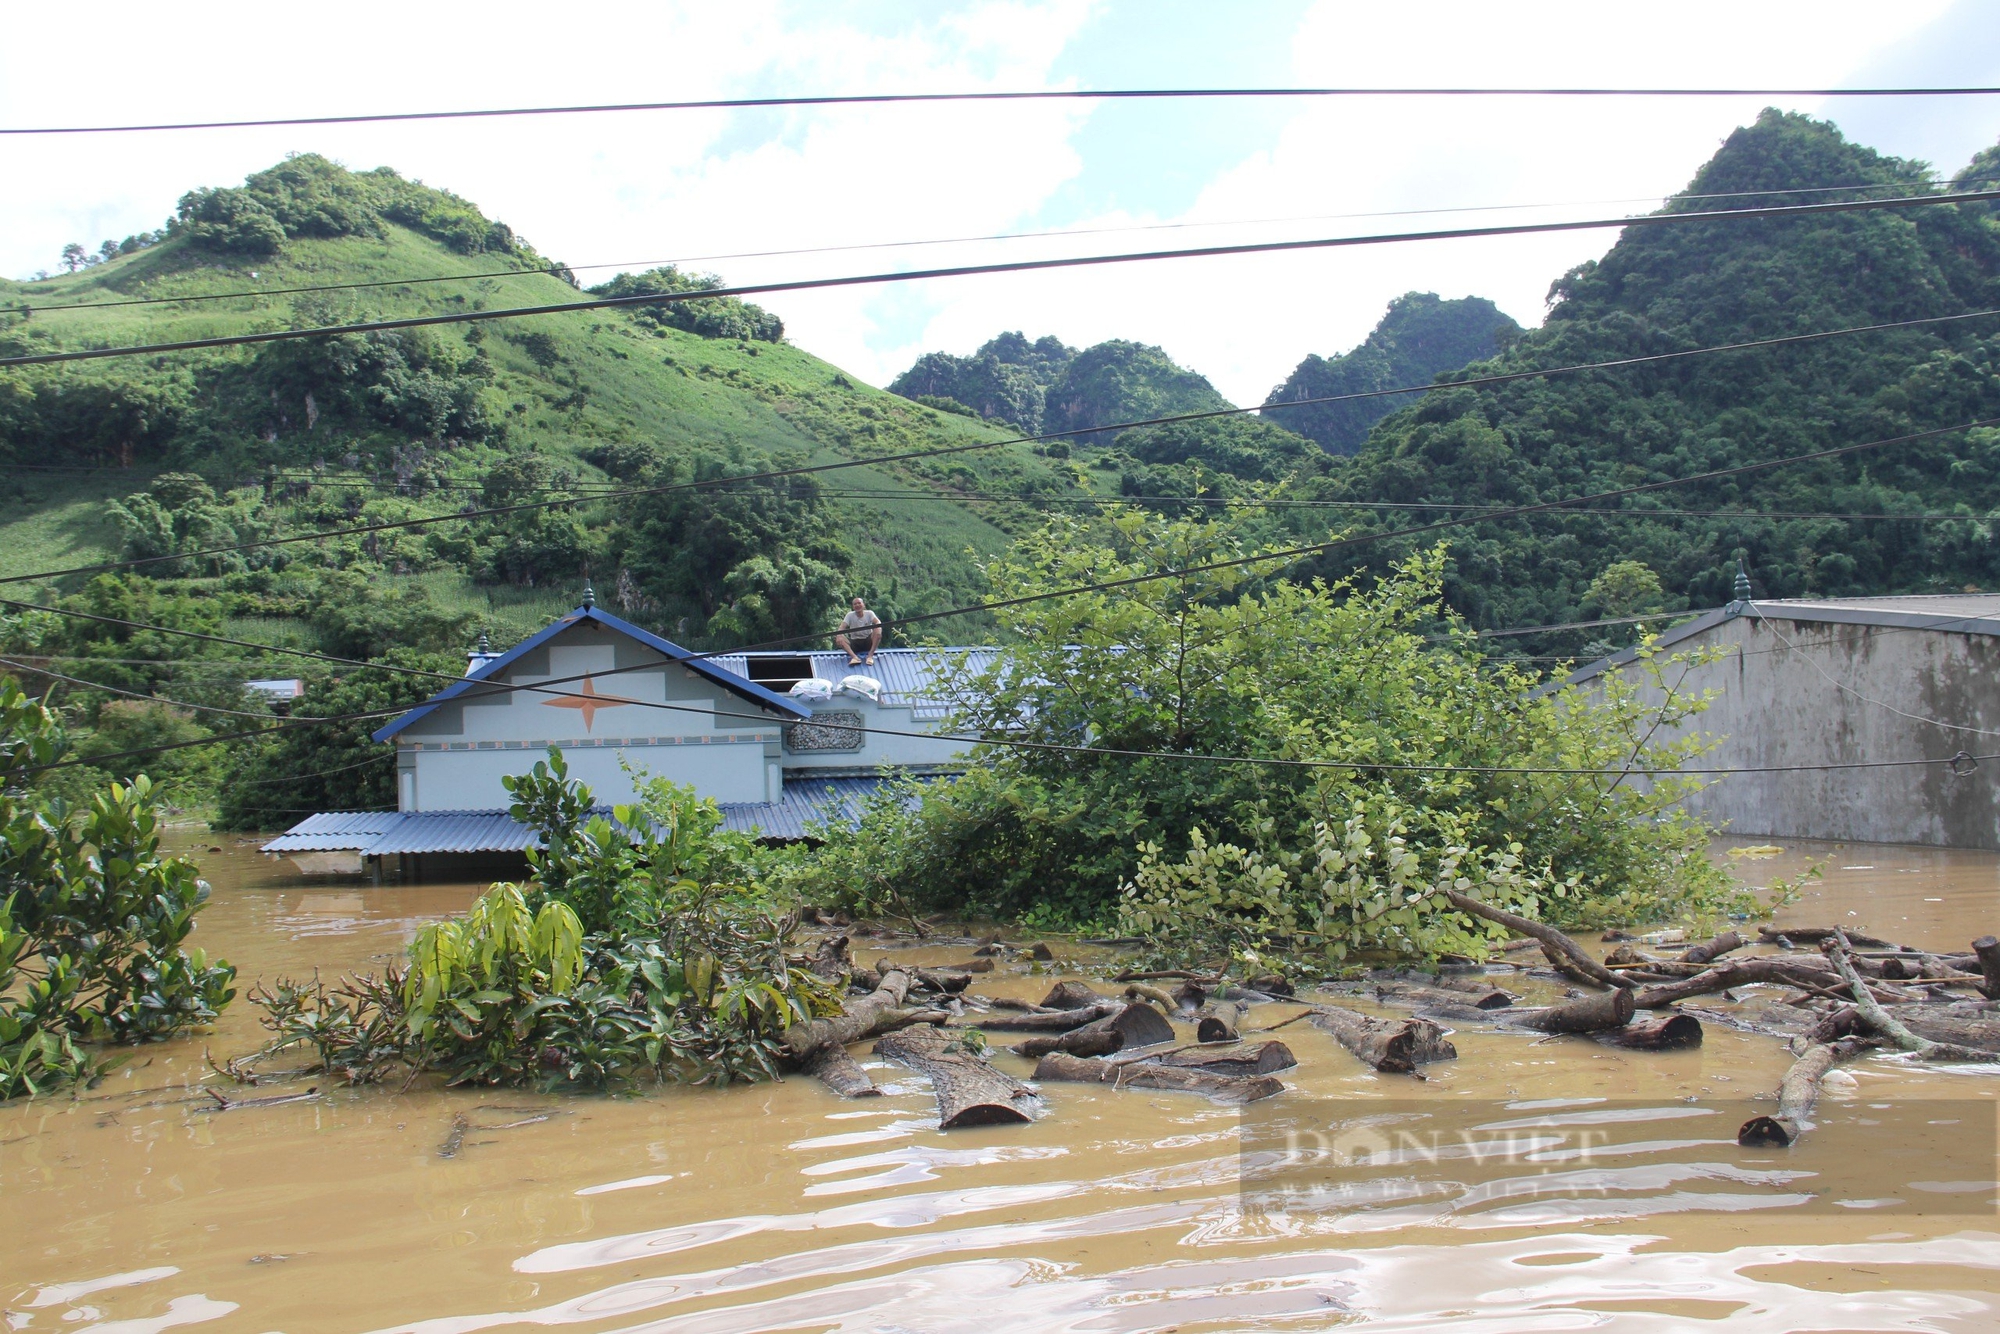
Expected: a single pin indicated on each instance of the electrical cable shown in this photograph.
(1036, 95)
(1010, 266)
(1276, 558)
(1481, 381)
(558, 270)
(129, 694)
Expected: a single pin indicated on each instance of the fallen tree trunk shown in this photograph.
(1796, 1096)
(1987, 950)
(1710, 950)
(1673, 1032)
(1477, 998)
(1142, 991)
(1393, 1046)
(1070, 996)
(859, 1020)
(949, 981)
(833, 1067)
(1953, 1030)
(1721, 977)
(832, 959)
(1136, 1025)
(1053, 1021)
(1814, 935)
(1590, 1014)
(1879, 1021)
(1218, 1022)
(1561, 950)
(1264, 1059)
(1064, 1068)
(969, 1091)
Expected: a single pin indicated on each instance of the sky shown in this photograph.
(708, 188)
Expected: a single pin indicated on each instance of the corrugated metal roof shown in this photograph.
(335, 831)
(911, 677)
(455, 831)
(806, 801)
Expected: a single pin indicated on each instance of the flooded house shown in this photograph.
(1870, 719)
(779, 740)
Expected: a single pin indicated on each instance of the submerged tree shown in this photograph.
(93, 917)
(1204, 739)
(635, 950)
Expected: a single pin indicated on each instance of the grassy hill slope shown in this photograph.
(562, 389)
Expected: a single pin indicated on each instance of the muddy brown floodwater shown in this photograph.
(1465, 1200)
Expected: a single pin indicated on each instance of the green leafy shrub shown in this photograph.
(713, 317)
(1299, 681)
(92, 918)
(632, 952)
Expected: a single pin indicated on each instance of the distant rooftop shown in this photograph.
(1945, 613)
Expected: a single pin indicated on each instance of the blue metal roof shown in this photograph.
(913, 678)
(728, 680)
(807, 801)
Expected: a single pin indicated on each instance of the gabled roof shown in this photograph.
(1949, 613)
(497, 666)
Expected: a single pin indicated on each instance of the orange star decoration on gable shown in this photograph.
(589, 701)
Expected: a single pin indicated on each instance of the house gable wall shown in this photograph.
(639, 705)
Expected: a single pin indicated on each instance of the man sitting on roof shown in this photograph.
(860, 634)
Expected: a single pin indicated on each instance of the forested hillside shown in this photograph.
(1420, 337)
(1045, 386)
(1667, 288)
(166, 455)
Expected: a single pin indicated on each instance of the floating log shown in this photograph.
(1561, 950)
(1878, 1020)
(1487, 996)
(833, 1067)
(1805, 974)
(1064, 1068)
(1842, 1022)
(1393, 1046)
(950, 981)
(832, 959)
(1796, 1096)
(1987, 950)
(969, 1091)
(860, 1019)
(1218, 1022)
(1070, 996)
(1590, 1014)
(1814, 935)
(1264, 1059)
(1053, 1021)
(1954, 1030)
(1477, 998)
(1145, 991)
(1710, 950)
(1165, 973)
(1136, 1025)
(1673, 1032)
(1273, 984)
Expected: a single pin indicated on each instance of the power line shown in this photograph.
(1010, 266)
(1473, 382)
(1276, 558)
(129, 694)
(1039, 95)
(558, 270)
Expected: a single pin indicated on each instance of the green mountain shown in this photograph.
(1667, 288)
(1045, 386)
(1419, 338)
(299, 437)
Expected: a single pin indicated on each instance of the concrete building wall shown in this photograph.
(1805, 692)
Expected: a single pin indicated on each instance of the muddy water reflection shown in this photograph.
(142, 1208)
